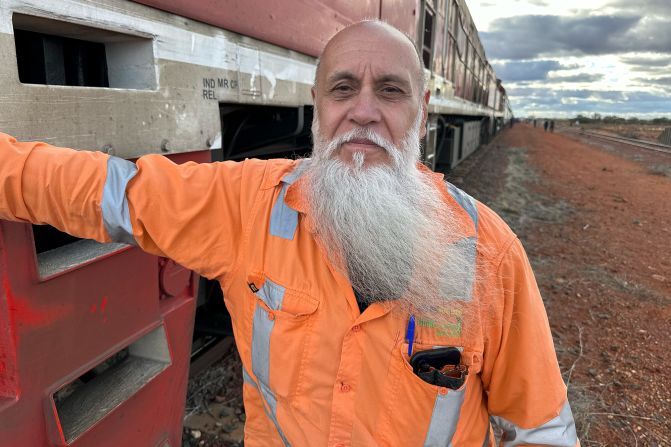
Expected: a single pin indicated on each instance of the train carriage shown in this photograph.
(95, 339)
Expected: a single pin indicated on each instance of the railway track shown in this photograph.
(210, 351)
(651, 145)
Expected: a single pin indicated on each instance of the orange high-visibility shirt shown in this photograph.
(317, 371)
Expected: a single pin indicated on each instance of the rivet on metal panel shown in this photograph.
(164, 145)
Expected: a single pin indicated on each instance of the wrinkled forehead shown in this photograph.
(378, 48)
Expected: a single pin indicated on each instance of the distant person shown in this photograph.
(534, 123)
(552, 126)
(545, 125)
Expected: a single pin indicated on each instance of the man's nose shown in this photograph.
(365, 109)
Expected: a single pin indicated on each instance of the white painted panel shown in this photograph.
(218, 49)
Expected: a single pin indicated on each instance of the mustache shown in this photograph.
(357, 134)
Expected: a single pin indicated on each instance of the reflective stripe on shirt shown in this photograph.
(558, 431)
(272, 294)
(283, 218)
(444, 418)
(459, 285)
(465, 201)
(115, 213)
(466, 249)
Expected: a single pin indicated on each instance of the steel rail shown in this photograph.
(630, 141)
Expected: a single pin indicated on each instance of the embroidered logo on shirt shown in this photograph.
(450, 328)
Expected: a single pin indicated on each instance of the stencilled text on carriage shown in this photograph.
(210, 85)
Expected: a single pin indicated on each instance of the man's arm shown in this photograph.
(526, 393)
(190, 213)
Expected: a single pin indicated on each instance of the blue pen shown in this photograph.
(410, 334)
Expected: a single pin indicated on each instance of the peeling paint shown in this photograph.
(9, 380)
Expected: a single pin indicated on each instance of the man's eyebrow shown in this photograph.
(349, 76)
(395, 79)
(341, 75)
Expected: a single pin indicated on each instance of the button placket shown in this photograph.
(342, 410)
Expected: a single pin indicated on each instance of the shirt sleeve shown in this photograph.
(526, 395)
(190, 213)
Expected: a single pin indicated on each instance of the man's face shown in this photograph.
(368, 79)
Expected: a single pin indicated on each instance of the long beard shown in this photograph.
(386, 227)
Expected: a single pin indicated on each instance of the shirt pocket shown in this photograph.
(419, 409)
(282, 323)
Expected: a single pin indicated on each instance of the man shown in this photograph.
(337, 269)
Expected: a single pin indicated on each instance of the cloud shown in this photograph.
(647, 61)
(531, 36)
(526, 101)
(663, 81)
(525, 70)
(651, 7)
(650, 70)
(580, 77)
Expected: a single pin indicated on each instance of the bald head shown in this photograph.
(381, 37)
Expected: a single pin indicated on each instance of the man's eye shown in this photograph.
(342, 88)
(392, 91)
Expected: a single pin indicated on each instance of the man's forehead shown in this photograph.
(370, 45)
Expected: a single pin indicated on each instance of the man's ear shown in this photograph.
(425, 113)
(313, 92)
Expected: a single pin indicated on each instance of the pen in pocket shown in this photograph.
(410, 334)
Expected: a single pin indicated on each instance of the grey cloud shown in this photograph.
(663, 81)
(650, 70)
(656, 7)
(580, 77)
(558, 94)
(652, 34)
(525, 70)
(527, 100)
(527, 37)
(647, 61)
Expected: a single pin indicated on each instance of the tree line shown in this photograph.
(614, 119)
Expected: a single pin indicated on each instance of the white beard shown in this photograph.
(386, 227)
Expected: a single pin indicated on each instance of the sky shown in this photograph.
(561, 58)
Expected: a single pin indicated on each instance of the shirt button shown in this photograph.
(356, 328)
(345, 388)
(271, 316)
(442, 391)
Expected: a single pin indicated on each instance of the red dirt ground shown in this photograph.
(595, 219)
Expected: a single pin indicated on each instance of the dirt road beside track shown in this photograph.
(595, 219)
